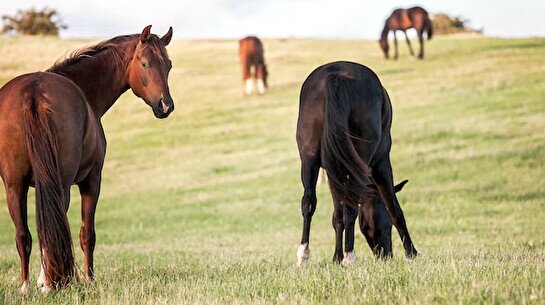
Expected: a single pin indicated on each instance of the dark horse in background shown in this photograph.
(51, 137)
(344, 126)
(402, 20)
(253, 65)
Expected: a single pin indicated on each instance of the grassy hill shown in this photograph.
(204, 207)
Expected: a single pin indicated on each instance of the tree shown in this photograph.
(45, 22)
(445, 24)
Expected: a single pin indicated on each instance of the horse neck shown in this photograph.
(102, 78)
(385, 31)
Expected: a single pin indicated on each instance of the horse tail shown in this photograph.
(51, 221)
(347, 172)
(428, 26)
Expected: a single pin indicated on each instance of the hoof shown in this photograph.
(410, 251)
(89, 280)
(303, 253)
(25, 288)
(349, 258)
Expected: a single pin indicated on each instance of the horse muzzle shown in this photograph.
(163, 108)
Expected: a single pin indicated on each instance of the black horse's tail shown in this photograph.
(51, 221)
(428, 26)
(347, 172)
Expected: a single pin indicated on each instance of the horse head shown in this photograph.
(148, 72)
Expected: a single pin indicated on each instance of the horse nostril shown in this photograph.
(164, 106)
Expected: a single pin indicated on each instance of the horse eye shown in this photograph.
(144, 65)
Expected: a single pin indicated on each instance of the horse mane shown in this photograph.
(114, 44)
(91, 51)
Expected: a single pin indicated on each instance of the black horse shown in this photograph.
(344, 126)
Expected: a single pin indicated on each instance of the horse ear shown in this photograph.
(145, 34)
(168, 36)
(400, 186)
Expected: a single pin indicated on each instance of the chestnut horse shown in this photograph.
(402, 20)
(251, 55)
(344, 126)
(51, 137)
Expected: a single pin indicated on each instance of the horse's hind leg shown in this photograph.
(382, 174)
(89, 191)
(338, 225)
(17, 204)
(248, 82)
(310, 166)
(349, 216)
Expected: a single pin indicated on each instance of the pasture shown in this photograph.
(204, 207)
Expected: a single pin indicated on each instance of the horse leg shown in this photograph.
(247, 77)
(421, 40)
(310, 166)
(382, 174)
(17, 206)
(349, 217)
(260, 75)
(409, 43)
(89, 191)
(338, 225)
(396, 54)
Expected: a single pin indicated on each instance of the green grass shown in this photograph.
(204, 207)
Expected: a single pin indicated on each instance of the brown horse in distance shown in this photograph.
(251, 56)
(51, 137)
(344, 124)
(402, 20)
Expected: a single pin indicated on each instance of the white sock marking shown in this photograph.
(349, 258)
(303, 253)
(249, 86)
(25, 289)
(260, 86)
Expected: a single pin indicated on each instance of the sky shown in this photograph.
(276, 18)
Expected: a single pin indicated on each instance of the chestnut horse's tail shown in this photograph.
(51, 206)
(347, 172)
(428, 26)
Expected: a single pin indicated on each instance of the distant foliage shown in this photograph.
(445, 24)
(44, 22)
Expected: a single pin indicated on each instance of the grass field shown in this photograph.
(204, 207)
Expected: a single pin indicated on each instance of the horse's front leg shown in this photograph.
(309, 175)
(421, 40)
(396, 53)
(408, 43)
(89, 190)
